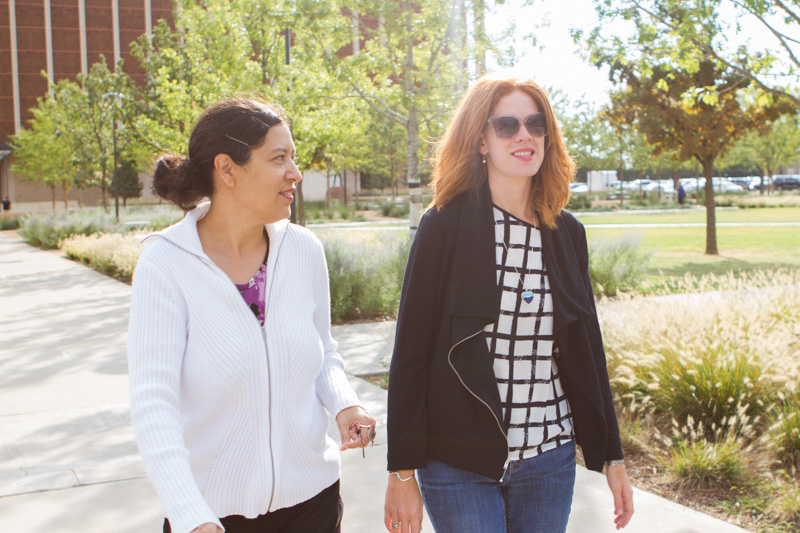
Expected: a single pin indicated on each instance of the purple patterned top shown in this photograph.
(253, 292)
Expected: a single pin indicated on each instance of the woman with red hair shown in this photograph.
(498, 367)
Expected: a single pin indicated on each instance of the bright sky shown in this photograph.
(556, 61)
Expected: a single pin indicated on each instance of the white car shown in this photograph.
(577, 187)
(721, 185)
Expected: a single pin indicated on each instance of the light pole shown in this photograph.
(114, 140)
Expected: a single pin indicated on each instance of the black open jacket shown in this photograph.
(444, 403)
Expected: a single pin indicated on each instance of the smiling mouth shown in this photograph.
(522, 153)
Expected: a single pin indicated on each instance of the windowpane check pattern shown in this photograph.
(536, 412)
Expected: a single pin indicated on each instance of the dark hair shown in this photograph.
(233, 127)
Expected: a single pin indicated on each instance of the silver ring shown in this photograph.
(395, 526)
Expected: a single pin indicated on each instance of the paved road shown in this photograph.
(68, 459)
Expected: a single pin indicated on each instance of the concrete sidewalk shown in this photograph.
(68, 459)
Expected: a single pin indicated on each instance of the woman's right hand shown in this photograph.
(403, 504)
(208, 527)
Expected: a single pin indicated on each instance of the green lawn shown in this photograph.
(680, 250)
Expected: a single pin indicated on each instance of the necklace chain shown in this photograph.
(526, 295)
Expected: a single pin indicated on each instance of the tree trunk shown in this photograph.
(301, 211)
(412, 133)
(53, 190)
(66, 200)
(327, 185)
(711, 217)
(479, 33)
(412, 169)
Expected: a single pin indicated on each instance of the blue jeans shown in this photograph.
(534, 496)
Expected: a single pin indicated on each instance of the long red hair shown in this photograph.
(457, 162)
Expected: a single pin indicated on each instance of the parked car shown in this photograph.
(721, 185)
(578, 188)
(755, 185)
(786, 183)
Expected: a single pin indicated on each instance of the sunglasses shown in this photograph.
(507, 126)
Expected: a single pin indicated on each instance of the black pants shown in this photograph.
(320, 514)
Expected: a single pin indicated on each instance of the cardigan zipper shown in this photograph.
(499, 426)
(267, 299)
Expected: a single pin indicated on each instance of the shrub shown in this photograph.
(112, 254)
(579, 202)
(784, 430)
(316, 212)
(366, 272)
(722, 389)
(786, 502)
(717, 357)
(395, 210)
(9, 222)
(47, 230)
(706, 464)
(616, 265)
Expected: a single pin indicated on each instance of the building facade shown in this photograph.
(61, 38)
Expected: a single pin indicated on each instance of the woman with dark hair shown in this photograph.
(498, 366)
(232, 364)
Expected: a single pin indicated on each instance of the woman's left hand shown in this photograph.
(620, 486)
(356, 427)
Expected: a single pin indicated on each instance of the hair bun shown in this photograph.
(172, 181)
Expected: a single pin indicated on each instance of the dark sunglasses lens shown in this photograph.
(505, 127)
(536, 125)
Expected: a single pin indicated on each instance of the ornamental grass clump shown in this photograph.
(616, 265)
(785, 502)
(784, 431)
(366, 271)
(702, 464)
(732, 281)
(717, 357)
(112, 254)
(48, 230)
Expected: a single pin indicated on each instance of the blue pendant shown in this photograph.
(527, 296)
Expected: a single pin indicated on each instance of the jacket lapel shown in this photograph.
(474, 295)
(560, 258)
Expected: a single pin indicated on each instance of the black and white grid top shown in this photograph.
(536, 412)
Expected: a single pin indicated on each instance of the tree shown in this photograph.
(692, 105)
(699, 33)
(43, 152)
(590, 137)
(130, 186)
(656, 103)
(406, 70)
(769, 148)
(79, 117)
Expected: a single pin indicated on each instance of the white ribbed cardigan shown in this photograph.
(230, 418)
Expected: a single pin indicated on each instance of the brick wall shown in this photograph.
(32, 60)
(31, 50)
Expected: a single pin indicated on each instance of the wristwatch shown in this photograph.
(615, 462)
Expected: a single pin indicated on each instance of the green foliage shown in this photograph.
(319, 211)
(48, 230)
(71, 139)
(579, 202)
(768, 148)
(130, 186)
(112, 254)
(704, 464)
(715, 385)
(784, 430)
(616, 265)
(9, 222)
(394, 209)
(366, 272)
